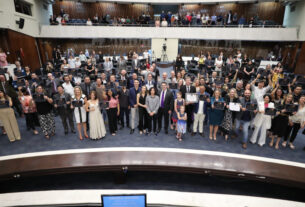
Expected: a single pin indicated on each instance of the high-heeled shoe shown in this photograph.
(211, 138)
(226, 137)
(214, 138)
(81, 138)
(86, 135)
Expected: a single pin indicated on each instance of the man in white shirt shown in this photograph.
(259, 91)
(71, 62)
(200, 110)
(145, 54)
(108, 66)
(82, 57)
(69, 89)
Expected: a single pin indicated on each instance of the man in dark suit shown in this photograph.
(6, 87)
(87, 86)
(166, 106)
(51, 84)
(188, 88)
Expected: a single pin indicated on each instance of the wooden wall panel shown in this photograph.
(88, 10)
(265, 10)
(21, 47)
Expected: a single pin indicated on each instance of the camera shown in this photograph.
(164, 47)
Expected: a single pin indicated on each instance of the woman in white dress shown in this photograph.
(78, 104)
(97, 127)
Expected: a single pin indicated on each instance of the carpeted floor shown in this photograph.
(37, 143)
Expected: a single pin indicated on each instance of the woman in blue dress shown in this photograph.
(181, 124)
(179, 101)
(215, 115)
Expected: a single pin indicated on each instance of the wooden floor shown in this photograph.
(147, 159)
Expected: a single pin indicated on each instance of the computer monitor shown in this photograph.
(133, 200)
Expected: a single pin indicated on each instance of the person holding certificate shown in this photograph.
(280, 122)
(216, 112)
(296, 122)
(63, 105)
(232, 106)
(246, 115)
(44, 109)
(262, 121)
(188, 88)
(78, 102)
(200, 110)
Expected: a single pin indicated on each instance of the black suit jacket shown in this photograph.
(168, 100)
(183, 90)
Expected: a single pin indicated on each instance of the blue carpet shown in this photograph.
(37, 143)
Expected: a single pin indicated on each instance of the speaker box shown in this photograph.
(20, 23)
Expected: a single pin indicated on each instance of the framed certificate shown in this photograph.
(60, 102)
(251, 106)
(39, 98)
(191, 97)
(279, 106)
(219, 105)
(203, 97)
(234, 106)
(4, 104)
(77, 103)
(107, 104)
(291, 108)
(270, 111)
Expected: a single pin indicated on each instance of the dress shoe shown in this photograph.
(193, 133)
(202, 134)
(73, 131)
(131, 131)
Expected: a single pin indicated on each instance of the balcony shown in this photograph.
(207, 33)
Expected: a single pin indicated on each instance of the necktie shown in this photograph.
(54, 85)
(188, 89)
(88, 90)
(29, 90)
(162, 100)
(3, 86)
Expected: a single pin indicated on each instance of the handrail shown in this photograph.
(152, 25)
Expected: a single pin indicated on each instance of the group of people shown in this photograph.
(165, 19)
(204, 19)
(227, 97)
(64, 19)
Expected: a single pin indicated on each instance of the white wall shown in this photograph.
(171, 51)
(257, 34)
(296, 18)
(8, 17)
